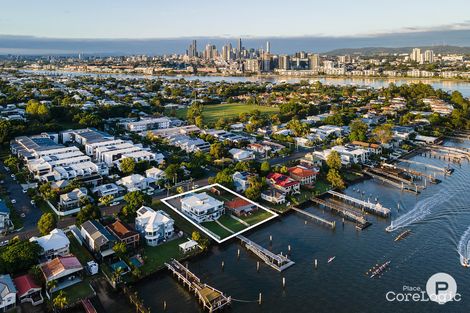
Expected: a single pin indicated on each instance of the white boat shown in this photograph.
(464, 261)
(331, 259)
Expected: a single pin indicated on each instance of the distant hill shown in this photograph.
(384, 50)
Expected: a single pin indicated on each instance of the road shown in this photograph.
(23, 205)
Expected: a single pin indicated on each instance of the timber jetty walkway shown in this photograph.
(209, 297)
(279, 262)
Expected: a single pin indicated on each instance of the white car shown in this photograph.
(4, 243)
(32, 202)
(12, 175)
(13, 201)
(114, 203)
(25, 190)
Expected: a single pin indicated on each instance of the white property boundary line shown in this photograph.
(273, 214)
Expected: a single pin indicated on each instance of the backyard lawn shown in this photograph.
(77, 292)
(216, 229)
(256, 217)
(211, 113)
(155, 257)
(79, 251)
(231, 223)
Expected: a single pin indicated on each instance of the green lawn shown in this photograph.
(82, 254)
(231, 223)
(212, 112)
(155, 257)
(321, 186)
(77, 292)
(216, 229)
(256, 217)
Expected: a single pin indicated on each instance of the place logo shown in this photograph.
(440, 288)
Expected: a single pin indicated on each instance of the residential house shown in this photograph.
(241, 155)
(55, 244)
(7, 293)
(372, 148)
(310, 160)
(188, 246)
(241, 180)
(124, 233)
(201, 207)
(241, 207)
(155, 174)
(71, 200)
(155, 226)
(283, 183)
(134, 182)
(274, 196)
(306, 176)
(5, 222)
(98, 238)
(110, 189)
(64, 270)
(259, 148)
(28, 290)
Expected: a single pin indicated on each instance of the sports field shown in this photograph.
(212, 112)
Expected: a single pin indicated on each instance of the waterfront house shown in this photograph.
(98, 238)
(28, 290)
(283, 183)
(274, 196)
(64, 270)
(124, 233)
(155, 226)
(54, 244)
(304, 175)
(240, 207)
(188, 246)
(201, 207)
(7, 293)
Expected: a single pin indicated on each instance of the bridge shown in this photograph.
(279, 262)
(375, 208)
(209, 297)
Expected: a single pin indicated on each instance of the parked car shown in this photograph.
(114, 203)
(33, 202)
(4, 243)
(13, 201)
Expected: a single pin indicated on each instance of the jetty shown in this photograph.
(343, 211)
(210, 298)
(279, 262)
(322, 221)
(374, 208)
(413, 173)
(445, 170)
(391, 180)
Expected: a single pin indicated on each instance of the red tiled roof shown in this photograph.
(302, 171)
(24, 284)
(60, 264)
(236, 203)
(121, 230)
(282, 180)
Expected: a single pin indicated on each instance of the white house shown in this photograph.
(155, 226)
(72, 199)
(202, 207)
(7, 293)
(241, 155)
(155, 173)
(134, 182)
(55, 244)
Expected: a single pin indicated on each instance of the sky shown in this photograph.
(246, 18)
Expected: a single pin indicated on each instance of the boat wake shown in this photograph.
(421, 209)
(464, 248)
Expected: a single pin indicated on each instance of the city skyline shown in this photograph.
(113, 20)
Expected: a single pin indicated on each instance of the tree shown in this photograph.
(196, 236)
(61, 300)
(334, 178)
(12, 162)
(106, 200)
(46, 223)
(298, 128)
(37, 109)
(88, 212)
(127, 166)
(134, 200)
(217, 150)
(173, 172)
(120, 249)
(358, 130)
(224, 178)
(5, 127)
(383, 133)
(333, 160)
(253, 192)
(19, 256)
(180, 189)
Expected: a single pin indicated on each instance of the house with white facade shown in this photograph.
(155, 174)
(5, 221)
(71, 199)
(7, 293)
(241, 155)
(201, 207)
(54, 244)
(148, 123)
(134, 182)
(155, 226)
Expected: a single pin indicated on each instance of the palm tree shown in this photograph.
(60, 301)
(117, 274)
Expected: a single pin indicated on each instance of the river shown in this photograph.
(341, 286)
(448, 85)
